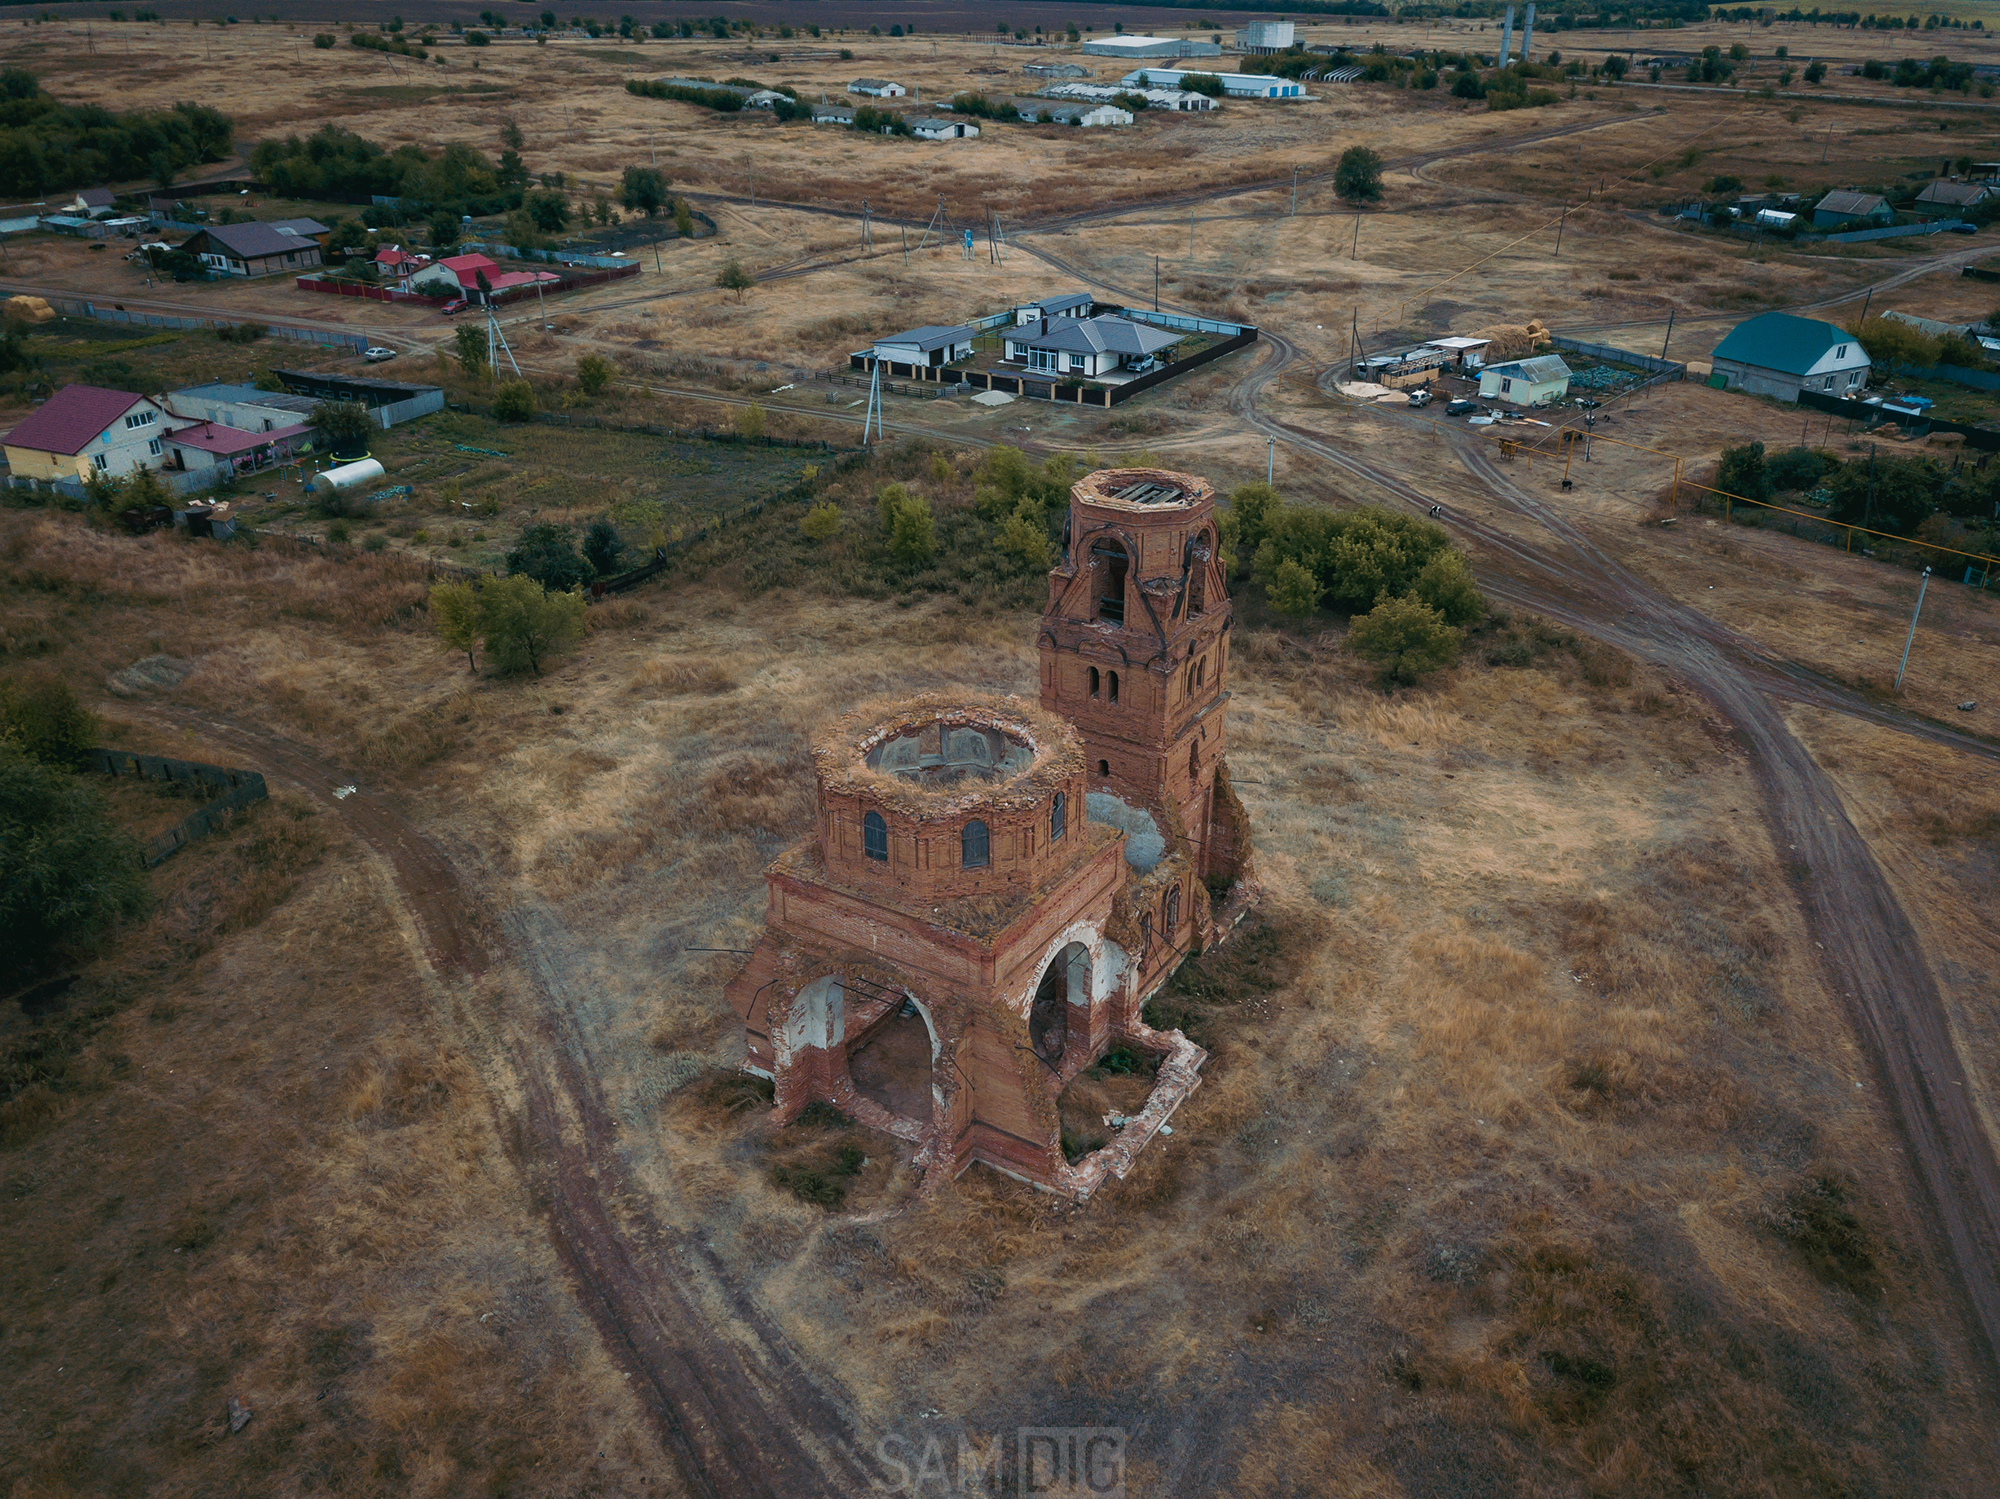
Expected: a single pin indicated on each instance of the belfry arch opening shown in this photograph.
(1108, 565)
(891, 1063)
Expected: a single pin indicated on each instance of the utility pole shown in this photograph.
(1670, 333)
(1156, 283)
(874, 412)
(1190, 236)
(867, 234)
(1904, 666)
(1559, 232)
(1864, 304)
(1295, 193)
(1826, 147)
(1270, 459)
(1355, 254)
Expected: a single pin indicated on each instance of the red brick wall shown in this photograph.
(925, 855)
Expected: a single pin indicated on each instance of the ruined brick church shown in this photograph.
(992, 890)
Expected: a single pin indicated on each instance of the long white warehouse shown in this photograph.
(1236, 85)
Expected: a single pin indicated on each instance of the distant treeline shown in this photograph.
(335, 162)
(46, 146)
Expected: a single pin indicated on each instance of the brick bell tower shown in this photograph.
(1135, 649)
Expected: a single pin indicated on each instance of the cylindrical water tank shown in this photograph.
(347, 476)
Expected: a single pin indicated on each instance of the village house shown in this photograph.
(1852, 210)
(224, 452)
(458, 276)
(1780, 355)
(1235, 85)
(1174, 100)
(84, 430)
(930, 128)
(1074, 304)
(1525, 382)
(252, 250)
(877, 88)
(245, 407)
(1945, 199)
(1087, 348)
(1083, 113)
(399, 265)
(933, 345)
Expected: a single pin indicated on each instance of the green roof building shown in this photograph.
(1780, 355)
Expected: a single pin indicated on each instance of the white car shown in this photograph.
(378, 354)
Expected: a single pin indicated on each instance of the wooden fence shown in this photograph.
(237, 788)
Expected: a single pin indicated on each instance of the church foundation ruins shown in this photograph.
(993, 889)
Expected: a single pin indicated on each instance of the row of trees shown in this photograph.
(1880, 492)
(46, 146)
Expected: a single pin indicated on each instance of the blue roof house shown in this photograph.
(1780, 355)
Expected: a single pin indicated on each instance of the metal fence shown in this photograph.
(116, 314)
(1896, 231)
(1610, 355)
(238, 788)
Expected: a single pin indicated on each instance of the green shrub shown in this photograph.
(41, 718)
(912, 537)
(1798, 468)
(340, 533)
(1293, 589)
(593, 373)
(522, 623)
(514, 401)
(1405, 640)
(823, 522)
(67, 872)
(1025, 537)
(547, 553)
(602, 548)
(1446, 585)
(1743, 472)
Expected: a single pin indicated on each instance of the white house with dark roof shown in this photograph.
(1092, 348)
(1070, 304)
(933, 345)
(1080, 112)
(1526, 382)
(877, 88)
(931, 128)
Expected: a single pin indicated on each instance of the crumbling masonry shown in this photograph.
(992, 891)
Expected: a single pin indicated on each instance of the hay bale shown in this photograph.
(29, 310)
(1513, 340)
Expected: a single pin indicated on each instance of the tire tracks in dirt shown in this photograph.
(1871, 956)
(732, 1403)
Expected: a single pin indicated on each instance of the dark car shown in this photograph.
(1461, 408)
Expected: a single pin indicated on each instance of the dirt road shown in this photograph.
(736, 1411)
(1872, 956)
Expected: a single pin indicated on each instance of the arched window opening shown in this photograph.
(975, 846)
(875, 837)
(1104, 767)
(1170, 918)
(1197, 590)
(1093, 681)
(1109, 563)
(1114, 687)
(1048, 1016)
(1200, 672)
(1194, 762)
(1058, 818)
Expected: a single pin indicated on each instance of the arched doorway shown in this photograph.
(1065, 983)
(891, 1064)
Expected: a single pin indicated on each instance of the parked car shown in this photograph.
(377, 354)
(456, 304)
(1461, 408)
(1421, 396)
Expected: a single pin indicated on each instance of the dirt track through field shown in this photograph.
(1872, 957)
(738, 1414)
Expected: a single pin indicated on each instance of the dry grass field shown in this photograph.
(1531, 1128)
(1537, 1155)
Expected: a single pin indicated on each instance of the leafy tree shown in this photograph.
(1404, 639)
(444, 230)
(1293, 590)
(602, 548)
(511, 137)
(1815, 72)
(683, 219)
(1743, 472)
(750, 423)
(593, 373)
(345, 425)
(471, 341)
(1358, 176)
(547, 553)
(906, 524)
(732, 277)
(1445, 583)
(1615, 67)
(548, 211)
(41, 718)
(1247, 522)
(1890, 342)
(522, 622)
(644, 190)
(1025, 537)
(514, 401)
(138, 490)
(1798, 468)
(67, 871)
(1202, 83)
(823, 522)
(1885, 494)
(454, 610)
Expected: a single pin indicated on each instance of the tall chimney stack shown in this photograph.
(1528, 32)
(1507, 36)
